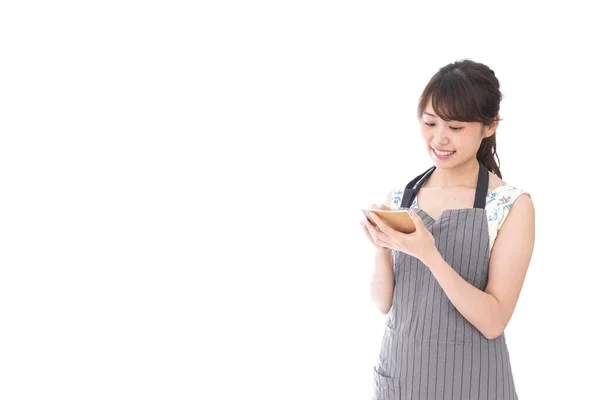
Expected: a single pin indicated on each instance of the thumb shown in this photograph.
(416, 219)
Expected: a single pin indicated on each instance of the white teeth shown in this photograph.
(443, 153)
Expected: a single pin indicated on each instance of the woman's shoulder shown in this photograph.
(500, 201)
(506, 193)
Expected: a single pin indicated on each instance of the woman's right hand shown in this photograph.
(371, 229)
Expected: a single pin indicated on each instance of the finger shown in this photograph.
(419, 224)
(370, 221)
(366, 230)
(381, 224)
(374, 232)
(373, 229)
(380, 241)
(372, 236)
(368, 226)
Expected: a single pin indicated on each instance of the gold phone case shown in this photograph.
(397, 219)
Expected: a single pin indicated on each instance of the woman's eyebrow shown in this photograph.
(425, 112)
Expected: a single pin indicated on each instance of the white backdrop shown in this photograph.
(181, 185)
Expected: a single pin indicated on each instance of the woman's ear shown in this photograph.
(490, 129)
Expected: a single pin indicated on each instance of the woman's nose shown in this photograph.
(440, 136)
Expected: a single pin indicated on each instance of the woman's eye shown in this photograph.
(453, 128)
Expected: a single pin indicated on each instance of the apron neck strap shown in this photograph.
(483, 181)
(411, 190)
(413, 187)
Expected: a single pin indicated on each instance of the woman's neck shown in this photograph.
(464, 175)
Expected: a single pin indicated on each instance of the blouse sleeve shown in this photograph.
(498, 207)
(396, 200)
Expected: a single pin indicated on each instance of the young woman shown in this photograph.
(450, 288)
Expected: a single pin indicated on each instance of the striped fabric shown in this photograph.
(498, 203)
(429, 350)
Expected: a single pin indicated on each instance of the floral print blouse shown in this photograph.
(497, 206)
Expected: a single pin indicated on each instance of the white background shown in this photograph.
(181, 184)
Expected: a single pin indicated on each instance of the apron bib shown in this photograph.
(429, 350)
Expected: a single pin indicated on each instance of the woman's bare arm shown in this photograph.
(490, 310)
(382, 282)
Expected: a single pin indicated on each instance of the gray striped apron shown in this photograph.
(429, 350)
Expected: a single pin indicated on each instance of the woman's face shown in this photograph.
(461, 138)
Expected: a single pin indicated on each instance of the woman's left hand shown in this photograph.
(419, 244)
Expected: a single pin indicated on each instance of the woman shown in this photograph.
(449, 289)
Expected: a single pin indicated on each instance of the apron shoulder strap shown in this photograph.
(413, 187)
(482, 186)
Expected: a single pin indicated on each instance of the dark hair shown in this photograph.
(467, 91)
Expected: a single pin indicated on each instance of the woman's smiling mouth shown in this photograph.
(442, 154)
